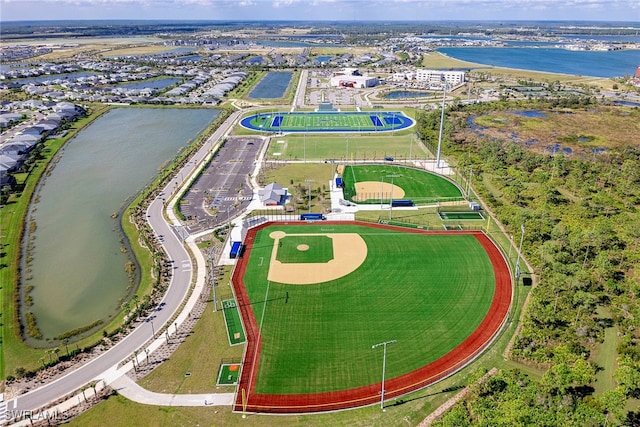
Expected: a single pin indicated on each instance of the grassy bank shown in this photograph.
(15, 353)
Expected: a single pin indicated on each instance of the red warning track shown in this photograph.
(451, 362)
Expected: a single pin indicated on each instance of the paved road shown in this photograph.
(176, 292)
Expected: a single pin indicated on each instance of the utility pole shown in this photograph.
(309, 181)
(444, 98)
(391, 194)
(519, 252)
(384, 367)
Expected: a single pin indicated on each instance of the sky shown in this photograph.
(332, 10)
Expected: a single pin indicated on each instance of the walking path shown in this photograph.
(127, 387)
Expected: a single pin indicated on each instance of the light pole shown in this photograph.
(384, 366)
(519, 252)
(309, 181)
(346, 154)
(410, 147)
(213, 281)
(444, 97)
(391, 194)
(382, 193)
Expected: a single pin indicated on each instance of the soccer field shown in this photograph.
(417, 185)
(428, 291)
(327, 121)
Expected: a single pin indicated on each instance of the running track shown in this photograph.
(460, 356)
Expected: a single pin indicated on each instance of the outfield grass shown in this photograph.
(427, 292)
(418, 185)
(400, 145)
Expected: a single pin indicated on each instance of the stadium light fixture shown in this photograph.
(519, 252)
(444, 98)
(384, 366)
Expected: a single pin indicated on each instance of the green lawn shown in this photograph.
(428, 292)
(418, 185)
(233, 322)
(401, 145)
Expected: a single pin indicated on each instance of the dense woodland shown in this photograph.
(582, 217)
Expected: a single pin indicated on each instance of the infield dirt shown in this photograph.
(349, 252)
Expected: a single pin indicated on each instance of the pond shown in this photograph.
(273, 85)
(151, 84)
(407, 94)
(323, 59)
(78, 263)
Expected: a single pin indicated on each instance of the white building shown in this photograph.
(350, 77)
(436, 77)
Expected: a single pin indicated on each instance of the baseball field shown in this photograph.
(377, 183)
(315, 298)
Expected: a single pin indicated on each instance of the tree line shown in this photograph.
(583, 234)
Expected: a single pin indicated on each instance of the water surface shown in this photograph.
(78, 269)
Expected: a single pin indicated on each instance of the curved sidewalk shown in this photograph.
(128, 388)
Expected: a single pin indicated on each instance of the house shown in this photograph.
(273, 195)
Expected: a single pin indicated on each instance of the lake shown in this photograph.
(77, 272)
(553, 60)
(273, 85)
(151, 84)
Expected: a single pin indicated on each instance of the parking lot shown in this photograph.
(223, 189)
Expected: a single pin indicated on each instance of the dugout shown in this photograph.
(402, 203)
(236, 250)
(312, 217)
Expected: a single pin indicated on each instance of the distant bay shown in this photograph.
(552, 60)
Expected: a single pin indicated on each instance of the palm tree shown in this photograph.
(56, 351)
(135, 299)
(93, 385)
(126, 306)
(66, 345)
(135, 359)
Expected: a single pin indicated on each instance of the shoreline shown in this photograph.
(527, 70)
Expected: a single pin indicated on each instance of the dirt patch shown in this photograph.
(366, 190)
(302, 247)
(349, 252)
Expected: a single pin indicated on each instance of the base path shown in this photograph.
(439, 369)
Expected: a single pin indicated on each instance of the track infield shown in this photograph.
(310, 349)
(312, 122)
